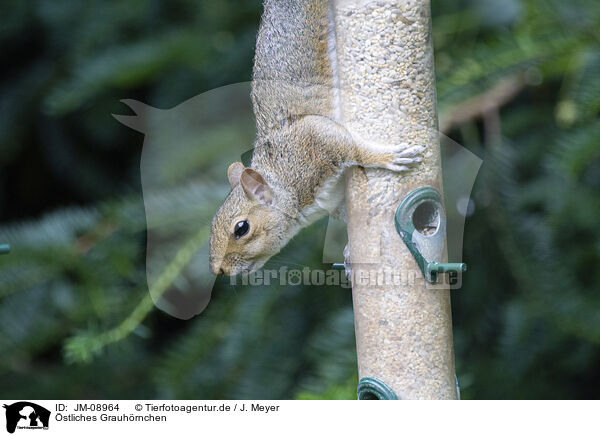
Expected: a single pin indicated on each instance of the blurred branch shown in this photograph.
(482, 104)
(101, 231)
(492, 127)
(82, 347)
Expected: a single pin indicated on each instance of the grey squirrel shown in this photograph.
(301, 149)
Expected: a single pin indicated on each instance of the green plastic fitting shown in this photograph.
(370, 388)
(435, 268)
(421, 222)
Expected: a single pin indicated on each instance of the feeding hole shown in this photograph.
(426, 218)
(368, 396)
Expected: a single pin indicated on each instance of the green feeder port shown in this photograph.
(370, 388)
(4, 248)
(421, 222)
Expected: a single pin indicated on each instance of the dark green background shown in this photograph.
(526, 322)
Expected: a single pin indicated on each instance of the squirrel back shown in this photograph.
(293, 65)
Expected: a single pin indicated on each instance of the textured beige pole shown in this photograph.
(387, 95)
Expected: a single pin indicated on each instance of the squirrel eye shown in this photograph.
(241, 228)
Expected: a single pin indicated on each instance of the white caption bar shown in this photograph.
(23, 417)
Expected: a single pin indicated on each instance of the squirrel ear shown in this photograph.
(255, 186)
(234, 173)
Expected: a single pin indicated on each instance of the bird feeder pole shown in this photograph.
(385, 75)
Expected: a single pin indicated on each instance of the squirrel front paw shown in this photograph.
(405, 157)
(396, 158)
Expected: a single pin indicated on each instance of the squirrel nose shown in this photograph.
(217, 269)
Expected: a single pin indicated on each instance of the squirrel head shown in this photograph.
(248, 229)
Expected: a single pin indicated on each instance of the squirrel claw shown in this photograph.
(397, 168)
(412, 151)
(407, 160)
(398, 148)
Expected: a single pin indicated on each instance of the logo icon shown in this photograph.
(26, 415)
